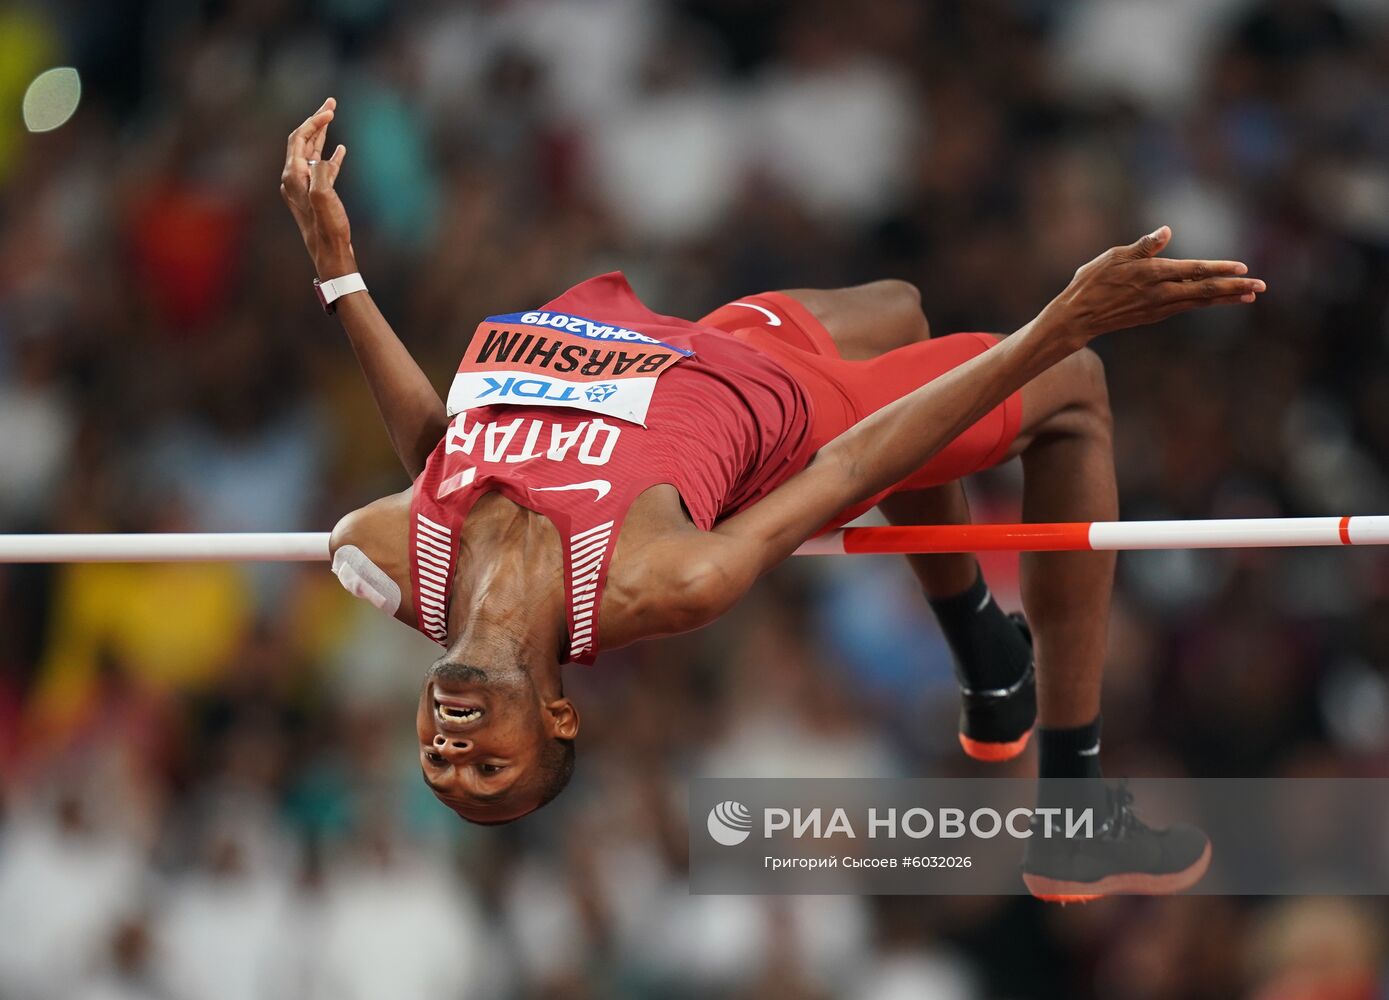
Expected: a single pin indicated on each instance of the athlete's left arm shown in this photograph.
(1124, 287)
(414, 414)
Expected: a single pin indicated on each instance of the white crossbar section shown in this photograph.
(1271, 532)
(312, 546)
(269, 546)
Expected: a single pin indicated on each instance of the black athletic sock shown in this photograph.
(990, 651)
(1069, 753)
(1069, 766)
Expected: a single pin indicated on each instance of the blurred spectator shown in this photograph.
(1317, 949)
(128, 972)
(830, 124)
(391, 920)
(31, 398)
(66, 877)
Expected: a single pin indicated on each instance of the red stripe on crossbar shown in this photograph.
(1345, 530)
(1066, 537)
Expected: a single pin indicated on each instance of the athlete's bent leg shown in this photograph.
(992, 650)
(1066, 444)
(1068, 475)
(992, 656)
(1064, 441)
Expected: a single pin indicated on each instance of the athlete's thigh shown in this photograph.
(1069, 397)
(866, 321)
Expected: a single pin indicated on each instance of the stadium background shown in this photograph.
(210, 787)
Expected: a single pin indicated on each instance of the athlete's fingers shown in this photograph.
(1209, 288)
(1148, 246)
(1188, 305)
(299, 139)
(295, 179)
(1195, 270)
(310, 122)
(324, 173)
(317, 135)
(320, 136)
(299, 145)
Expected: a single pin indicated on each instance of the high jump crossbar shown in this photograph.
(312, 546)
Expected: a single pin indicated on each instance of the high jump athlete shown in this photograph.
(603, 474)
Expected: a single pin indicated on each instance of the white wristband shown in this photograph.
(335, 288)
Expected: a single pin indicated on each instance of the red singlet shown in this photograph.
(725, 426)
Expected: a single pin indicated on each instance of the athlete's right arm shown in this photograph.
(414, 414)
(1124, 287)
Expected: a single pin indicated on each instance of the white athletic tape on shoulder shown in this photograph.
(362, 578)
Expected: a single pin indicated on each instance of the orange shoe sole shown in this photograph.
(994, 753)
(1053, 890)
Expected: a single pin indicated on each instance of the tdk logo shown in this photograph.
(601, 392)
(532, 388)
(730, 823)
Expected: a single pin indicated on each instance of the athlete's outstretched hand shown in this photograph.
(307, 186)
(1131, 286)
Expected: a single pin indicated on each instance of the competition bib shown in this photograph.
(555, 359)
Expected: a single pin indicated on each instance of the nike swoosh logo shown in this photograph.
(599, 486)
(772, 318)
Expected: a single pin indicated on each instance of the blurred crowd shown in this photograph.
(210, 785)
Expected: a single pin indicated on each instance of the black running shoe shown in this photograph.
(1124, 857)
(996, 725)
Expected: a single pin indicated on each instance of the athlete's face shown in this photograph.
(482, 732)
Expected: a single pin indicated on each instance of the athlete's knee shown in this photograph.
(1094, 383)
(899, 299)
(898, 318)
(1091, 390)
(900, 293)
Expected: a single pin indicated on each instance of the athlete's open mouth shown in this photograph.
(457, 711)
